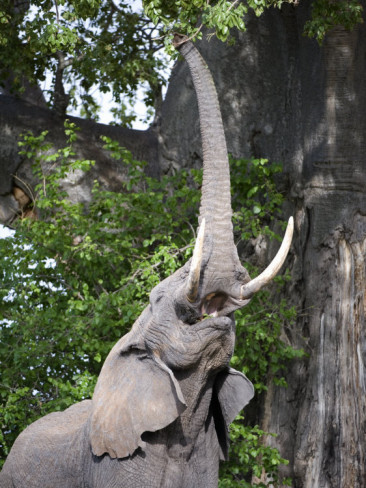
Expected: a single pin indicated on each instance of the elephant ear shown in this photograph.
(233, 391)
(135, 393)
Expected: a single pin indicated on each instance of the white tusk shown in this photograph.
(248, 290)
(195, 271)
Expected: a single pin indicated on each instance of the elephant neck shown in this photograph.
(197, 391)
(188, 459)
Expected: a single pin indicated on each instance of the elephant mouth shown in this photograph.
(212, 304)
(220, 304)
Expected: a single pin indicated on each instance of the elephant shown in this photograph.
(166, 394)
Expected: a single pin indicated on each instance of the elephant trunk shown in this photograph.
(217, 279)
(215, 205)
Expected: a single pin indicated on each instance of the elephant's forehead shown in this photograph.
(168, 285)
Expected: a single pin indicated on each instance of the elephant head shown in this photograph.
(187, 331)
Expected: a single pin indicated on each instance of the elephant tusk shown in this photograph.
(195, 271)
(248, 290)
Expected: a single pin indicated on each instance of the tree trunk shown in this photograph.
(286, 98)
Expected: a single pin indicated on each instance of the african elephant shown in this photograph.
(166, 395)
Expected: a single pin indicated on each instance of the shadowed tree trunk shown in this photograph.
(285, 98)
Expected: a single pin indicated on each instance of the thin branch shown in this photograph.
(57, 12)
(114, 7)
(232, 5)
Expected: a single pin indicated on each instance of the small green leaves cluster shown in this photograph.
(254, 194)
(188, 17)
(259, 6)
(223, 16)
(327, 14)
(74, 281)
(250, 459)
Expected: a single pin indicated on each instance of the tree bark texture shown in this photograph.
(288, 99)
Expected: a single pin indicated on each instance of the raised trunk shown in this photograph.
(225, 285)
(216, 197)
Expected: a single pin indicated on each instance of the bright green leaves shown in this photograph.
(4, 24)
(46, 35)
(223, 16)
(84, 9)
(261, 199)
(327, 14)
(188, 17)
(251, 457)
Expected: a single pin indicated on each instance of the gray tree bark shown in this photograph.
(286, 98)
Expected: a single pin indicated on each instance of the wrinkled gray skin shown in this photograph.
(165, 396)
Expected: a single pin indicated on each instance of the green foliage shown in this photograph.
(188, 17)
(254, 193)
(259, 341)
(327, 14)
(250, 457)
(93, 44)
(73, 282)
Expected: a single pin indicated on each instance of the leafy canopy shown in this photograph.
(74, 281)
(91, 46)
